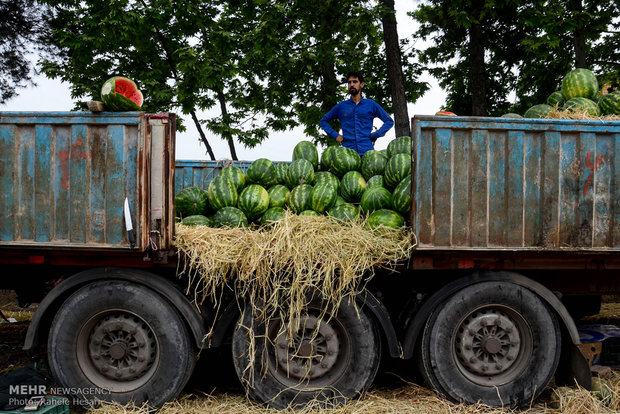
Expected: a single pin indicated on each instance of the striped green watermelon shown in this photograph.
(398, 167)
(375, 181)
(230, 217)
(326, 177)
(253, 201)
(582, 105)
(375, 198)
(300, 198)
(121, 94)
(352, 186)
(222, 193)
(400, 145)
(373, 163)
(299, 172)
(322, 197)
(610, 103)
(198, 220)
(556, 99)
(579, 83)
(278, 195)
(327, 157)
(339, 201)
(401, 197)
(346, 212)
(511, 115)
(309, 213)
(235, 175)
(191, 201)
(281, 168)
(385, 218)
(537, 111)
(344, 160)
(306, 150)
(261, 172)
(272, 214)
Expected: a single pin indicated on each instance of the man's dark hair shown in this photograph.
(355, 74)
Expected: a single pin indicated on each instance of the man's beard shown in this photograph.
(353, 91)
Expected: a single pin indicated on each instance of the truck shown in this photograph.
(518, 235)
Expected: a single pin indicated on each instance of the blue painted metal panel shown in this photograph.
(196, 173)
(518, 184)
(64, 177)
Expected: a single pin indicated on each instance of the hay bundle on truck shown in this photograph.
(507, 221)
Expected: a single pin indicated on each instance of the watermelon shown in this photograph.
(230, 217)
(121, 94)
(603, 391)
(352, 186)
(300, 198)
(253, 201)
(582, 105)
(261, 172)
(278, 195)
(556, 99)
(398, 167)
(198, 220)
(375, 198)
(610, 104)
(299, 172)
(235, 175)
(400, 145)
(537, 111)
(375, 181)
(346, 212)
(281, 168)
(339, 201)
(322, 197)
(309, 213)
(272, 214)
(191, 201)
(579, 83)
(385, 218)
(373, 163)
(444, 113)
(327, 157)
(306, 150)
(326, 177)
(222, 193)
(344, 160)
(401, 197)
(511, 115)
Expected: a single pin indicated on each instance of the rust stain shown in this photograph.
(593, 167)
(77, 152)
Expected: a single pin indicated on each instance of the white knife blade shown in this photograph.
(129, 225)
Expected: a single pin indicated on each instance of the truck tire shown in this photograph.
(119, 341)
(494, 342)
(339, 363)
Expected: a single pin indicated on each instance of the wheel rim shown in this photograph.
(117, 350)
(317, 355)
(492, 345)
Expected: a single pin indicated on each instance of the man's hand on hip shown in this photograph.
(339, 139)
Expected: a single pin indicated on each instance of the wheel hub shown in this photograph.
(488, 342)
(311, 353)
(121, 347)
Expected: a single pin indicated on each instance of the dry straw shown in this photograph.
(557, 113)
(279, 268)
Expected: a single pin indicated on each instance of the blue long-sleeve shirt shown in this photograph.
(356, 121)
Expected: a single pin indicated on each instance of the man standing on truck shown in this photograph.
(356, 116)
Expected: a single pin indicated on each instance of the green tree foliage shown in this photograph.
(23, 24)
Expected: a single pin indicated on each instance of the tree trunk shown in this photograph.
(477, 71)
(231, 144)
(329, 81)
(395, 71)
(203, 137)
(579, 37)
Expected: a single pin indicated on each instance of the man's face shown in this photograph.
(354, 85)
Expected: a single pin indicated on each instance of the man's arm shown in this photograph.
(387, 122)
(330, 116)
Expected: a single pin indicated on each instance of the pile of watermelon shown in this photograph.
(340, 184)
(579, 93)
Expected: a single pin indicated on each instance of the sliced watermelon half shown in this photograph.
(121, 94)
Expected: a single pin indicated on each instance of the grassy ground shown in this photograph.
(224, 395)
